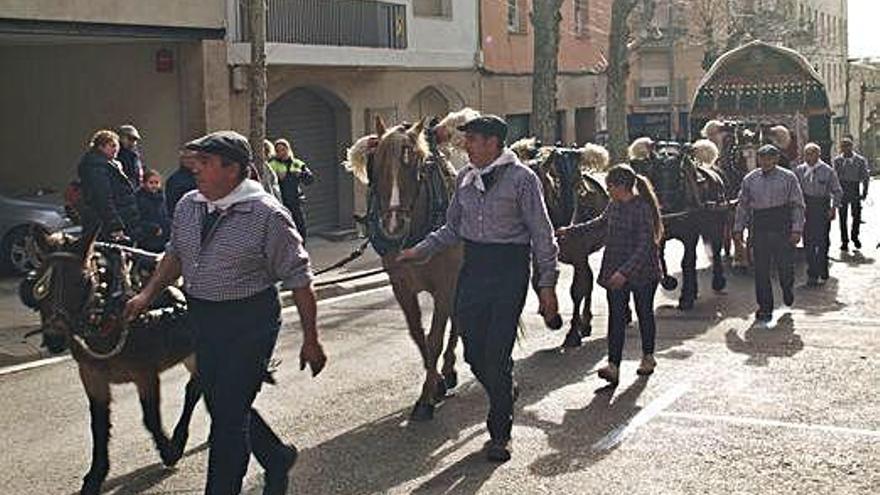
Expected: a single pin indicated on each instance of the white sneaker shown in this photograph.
(646, 367)
(610, 374)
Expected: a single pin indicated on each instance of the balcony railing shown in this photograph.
(364, 23)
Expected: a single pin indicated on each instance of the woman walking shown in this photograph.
(630, 264)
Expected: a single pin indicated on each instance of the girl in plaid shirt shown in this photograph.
(630, 263)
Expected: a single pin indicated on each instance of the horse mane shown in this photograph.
(640, 149)
(594, 157)
(357, 156)
(523, 146)
(451, 123)
(710, 126)
(705, 151)
(780, 136)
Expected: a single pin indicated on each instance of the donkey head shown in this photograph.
(63, 286)
(398, 167)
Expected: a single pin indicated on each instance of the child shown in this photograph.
(155, 224)
(630, 264)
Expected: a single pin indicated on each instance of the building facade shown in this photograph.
(73, 67)
(684, 37)
(864, 121)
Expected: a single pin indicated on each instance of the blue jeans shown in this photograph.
(618, 307)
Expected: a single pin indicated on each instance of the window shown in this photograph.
(516, 20)
(581, 17)
(433, 8)
(654, 92)
(645, 92)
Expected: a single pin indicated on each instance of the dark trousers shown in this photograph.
(299, 218)
(618, 307)
(851, 202)
(816, 236)
(489, 299)
(235, 341)
(772, 249)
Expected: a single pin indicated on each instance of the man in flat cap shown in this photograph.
(129, 156)
(498, 211)
(771, 205)
(852, 170)
(232, 242)
(822, 194)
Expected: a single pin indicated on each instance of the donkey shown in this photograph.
(572, 195)
(409, 190)
(80, 291)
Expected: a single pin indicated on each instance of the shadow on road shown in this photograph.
(762, 342)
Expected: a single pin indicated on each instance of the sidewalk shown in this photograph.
(16, 320)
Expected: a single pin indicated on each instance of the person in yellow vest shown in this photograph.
(293, 173)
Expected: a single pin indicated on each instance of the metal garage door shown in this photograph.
(309, 123)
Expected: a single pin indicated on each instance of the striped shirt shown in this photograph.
(252, 245)
(511, 211)
(819, 181)
(762, 190)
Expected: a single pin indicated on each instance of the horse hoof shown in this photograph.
(573, 339)
(669, 283)
(586, 331)
(422, 412)
(171, 455)
(450, 380)
(91, 485)
(685, 304)
(718, 284)
(440, 393)
(554, 323)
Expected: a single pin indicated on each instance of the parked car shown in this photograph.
(18, 215)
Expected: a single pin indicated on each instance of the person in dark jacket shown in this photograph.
(630, 265)
(179, 183)
(293, 173)
(155, 223)
(132, 165)
(107, 195)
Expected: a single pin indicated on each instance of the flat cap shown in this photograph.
(129, 130)
(228, 144)
(487, 125)
(768, 150)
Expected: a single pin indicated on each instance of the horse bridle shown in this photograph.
(406, 158)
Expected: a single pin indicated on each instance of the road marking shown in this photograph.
(614, 437)
(33, 364)
(343, 297)
(773, 423)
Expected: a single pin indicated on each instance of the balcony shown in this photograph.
(349, 23)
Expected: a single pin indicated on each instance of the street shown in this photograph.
(734, 407)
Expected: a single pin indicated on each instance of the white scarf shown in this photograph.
(475, 175)
(247, 190)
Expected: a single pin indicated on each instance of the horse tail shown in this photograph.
(645, 190)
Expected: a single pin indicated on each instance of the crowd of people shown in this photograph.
(239, 233)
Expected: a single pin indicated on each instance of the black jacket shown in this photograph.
(155, 223)
(107, 195)
(181, 182)
(131, 165)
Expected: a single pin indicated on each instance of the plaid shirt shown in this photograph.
(252, 245)
(629, 245)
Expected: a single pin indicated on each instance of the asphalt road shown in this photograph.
(733, 407)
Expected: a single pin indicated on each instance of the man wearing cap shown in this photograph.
(852, 171)
(822, 195)
(498, 211)
(232, 242)
(129, 156)
(771, 205)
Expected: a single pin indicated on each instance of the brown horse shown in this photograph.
(572, 196)
(409, 188)
(80, 291)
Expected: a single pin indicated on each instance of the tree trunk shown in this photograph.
(258, 86)
(617, 75)
(545, 20)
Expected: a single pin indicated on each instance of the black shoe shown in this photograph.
(788, 297)
(857, 243)
(276, 480)
(497, 452)
(844, 247)
(764, 316)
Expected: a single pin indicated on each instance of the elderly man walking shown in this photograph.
(498, 211)
(852, 171)
(822, 194)
(771, 205)
(232, 242)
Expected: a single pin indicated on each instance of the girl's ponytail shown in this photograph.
(646, 191)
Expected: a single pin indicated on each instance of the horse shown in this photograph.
(80, 290)
(572, 196)
(409, 191)
(694, 204)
